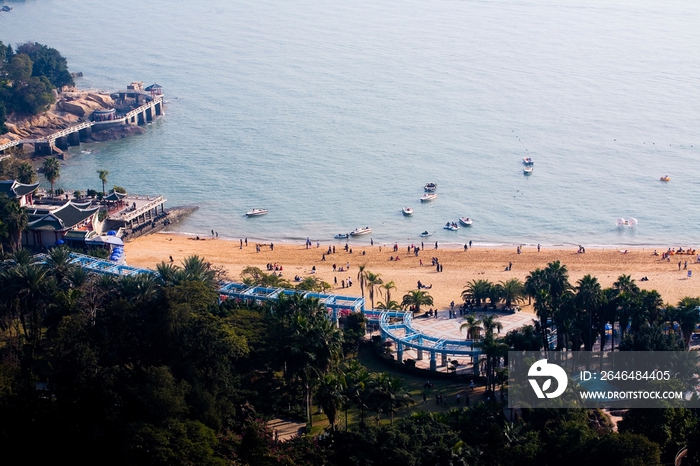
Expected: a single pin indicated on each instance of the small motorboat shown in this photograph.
(621, 222)
(527, 170)
(466, 221)
(426, 233)
(407, 211)
(427, 197)
(528, 161)
(360, 231)
(430, 187)
(665, 178)
(256, 212)
(342, 236)
(451, 226)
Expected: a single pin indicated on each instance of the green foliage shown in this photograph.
(32, 75)
(52, 170)
(118, 189)
(47, 62)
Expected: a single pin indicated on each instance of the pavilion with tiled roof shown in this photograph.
(16, 190)
(155, 89)
(47, 226)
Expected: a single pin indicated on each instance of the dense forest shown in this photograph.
(157, 370)
(28, 77)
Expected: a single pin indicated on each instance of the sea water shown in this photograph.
(333, 115)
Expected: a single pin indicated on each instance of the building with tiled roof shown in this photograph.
(47, 225)
(16, 190)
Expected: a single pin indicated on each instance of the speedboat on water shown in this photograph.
(256, 212)
(621, 222)
(427, 197)
(426, 233)
(360, 231)
(407, 211)
(527, 170)
(466, 221)
(528, 161)
(342, 236)
(451, 226)
(430, 187)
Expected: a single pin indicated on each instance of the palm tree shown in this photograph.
(477, 290)
(388, 286)
(361, 277)
(52, 171)
(687, 316)
(473, 326)
(197, 269)
(394, 393)
(589, 296)
(494, 349)
(389, 305)
(59, 263)
(416, 298)
(490, 323)
(331, 396)
(15, 219)
(627, 294)
(103, 177)
(372, 281)
(512, 291)
(313, 346)
(26, 173)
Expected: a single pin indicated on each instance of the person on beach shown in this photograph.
(538, 247)
(272, 247)
(465, 246)
(246, 241)
(470, 243)
(371, 242)
(436, 245)
(241, 244)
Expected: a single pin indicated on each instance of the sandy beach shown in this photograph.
(459, 266)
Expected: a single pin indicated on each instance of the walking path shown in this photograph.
(284, 429)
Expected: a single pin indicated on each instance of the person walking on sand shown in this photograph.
(246, 241)
(679, 265)
(538, 247)
(436, 245)
(241, 244)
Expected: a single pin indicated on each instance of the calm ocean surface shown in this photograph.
(333, 115)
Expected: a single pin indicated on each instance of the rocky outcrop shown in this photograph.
(71, 107)
(117, 132)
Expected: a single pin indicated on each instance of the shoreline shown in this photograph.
(447, 245)
(460, 267)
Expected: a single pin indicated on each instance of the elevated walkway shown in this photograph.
(396, 326)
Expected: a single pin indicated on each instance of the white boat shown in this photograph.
(407, 211)
(256, 212)
(360, 231)
(621, 222)
(427, 197)
(342, 236)
(451, 226)
(527, 170)
(430, 187)
(426, 233)
(528, 161)
(466, 221)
